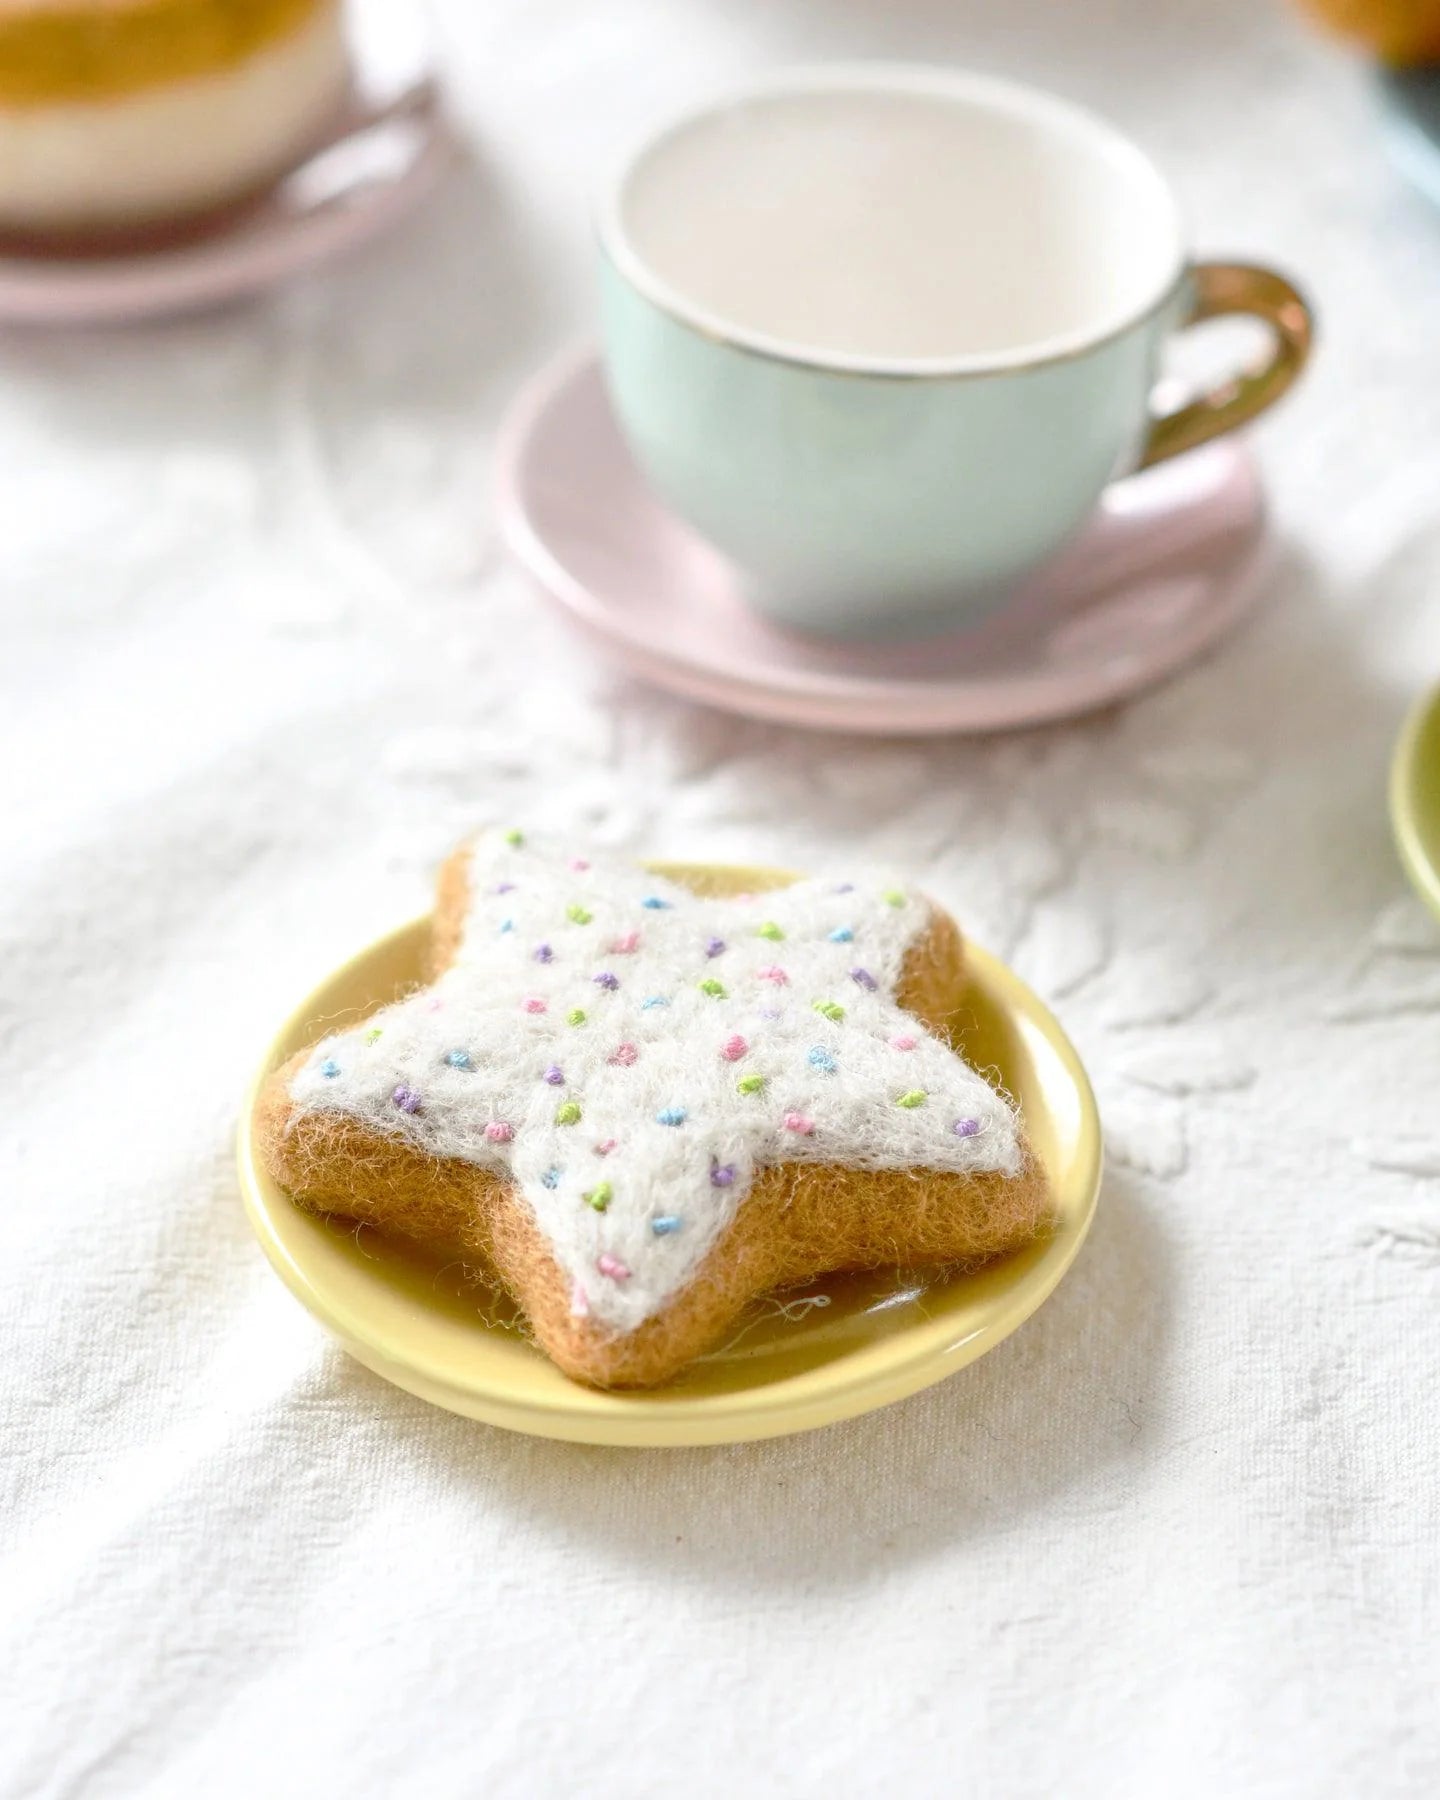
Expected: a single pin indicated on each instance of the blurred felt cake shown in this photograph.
(121, 114)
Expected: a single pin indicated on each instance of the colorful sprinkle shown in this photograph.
(821, 1059)
(799, 1124)
(606, 980)
(893, 897)
(750, 1084)
(374, 1035)
(406, 1099)
(543, 953)
(555, 1075)
(458, 1059)
(863, 978)
(653, 903)
(579, 1302)
(715, 947)
(599, 1196)
(506, 925)
(672, 1115)
(653, 1000)
(505, 887)
(551, 1178)
(771, 1012)
(499, 1132)
(579, 915)
(830, 1009)
(329, 1068)
(842, 934)
(627, 945)
(715, 989)
(533, 1005)
(575, 1016)
(605, 1146)
(903, 1042)
(568, 1114)
(722, 1174)
(845, 887)
(579, 864)
(622, 1055)
(773, 972)
(769, 930)
(916, 1097)
(613, 1267)
(734, 1048)
(965, 1127)
(514, 839)
(665, 1224)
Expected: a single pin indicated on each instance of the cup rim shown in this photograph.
(1016, 98)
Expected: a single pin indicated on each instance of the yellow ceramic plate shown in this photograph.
(1415, 798)
(420, 1324)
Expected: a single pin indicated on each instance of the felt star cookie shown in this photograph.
(643, 1105)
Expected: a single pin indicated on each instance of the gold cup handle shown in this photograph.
(1218, 289)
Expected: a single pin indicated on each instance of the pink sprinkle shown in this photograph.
(499, 1132)
(902, 1042)
(733, 1048)
(579, 1302)
(613, 1267)
(799, 1123)
(532, 1005)
(627, 945)
(434, 1006)
(773, 972)
(623, 1055)
(605, 1146)
(579, 865)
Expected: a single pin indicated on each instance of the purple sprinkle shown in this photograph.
(966, 1127)
(845, 887)
(863, 978)
(555, 1076)
(770, 1012)
(721, 1174)
(543, 953)
(606, 980)
(406, 1099)
(506, 887)
(714, 946)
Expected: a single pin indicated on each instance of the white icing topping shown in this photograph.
(675, 1083)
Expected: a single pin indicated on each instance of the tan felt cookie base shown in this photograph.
(799, 1220)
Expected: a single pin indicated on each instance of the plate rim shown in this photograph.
(806, 698)
(657, 1418)
(1420, 865)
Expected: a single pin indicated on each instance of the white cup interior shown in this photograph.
(901, 219)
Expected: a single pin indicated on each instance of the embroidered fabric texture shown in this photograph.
(631, 1053)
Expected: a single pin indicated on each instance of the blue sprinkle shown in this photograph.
(506, 925)
(329, 1068)
(551, 1178)
(654, 1000)
(842, 934)
(672, 1115)
(663, 1226)
(655, 903)
(820, 1058)
(459, 1059)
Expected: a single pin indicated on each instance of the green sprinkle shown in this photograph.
(568, 1114)
(515, 839)
(749, 1084)
(715, 989)
(578, 915)
(893, 897)
(576, 1016)
(916, 1097)
(830, 1009)
(374, 1034)
(599, 1196)
(770, 930)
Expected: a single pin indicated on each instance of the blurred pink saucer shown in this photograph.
(1171, 561)
(381, 157)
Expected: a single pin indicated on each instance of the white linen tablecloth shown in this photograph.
(263, 661)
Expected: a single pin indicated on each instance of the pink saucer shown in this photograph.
(1169, 564)
(380, 158)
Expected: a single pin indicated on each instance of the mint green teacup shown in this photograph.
(884, 334)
